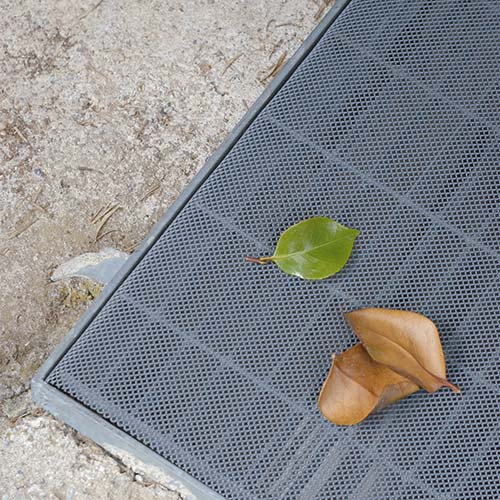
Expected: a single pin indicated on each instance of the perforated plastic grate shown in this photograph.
(391, 126)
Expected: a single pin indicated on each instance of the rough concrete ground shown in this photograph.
(105, 102)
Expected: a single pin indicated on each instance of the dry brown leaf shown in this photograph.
(404, 341)
(357, 385)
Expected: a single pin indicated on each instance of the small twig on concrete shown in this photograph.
(88, 169)
(104, 219)
(16, 232)
(102, 235)
(18, 417)
(37, 195)
(217, 89)
(34, 412)
(150, 191)
(101, 212)
(131, 248)
(289, 23)
(20, 134)
(34, 203)
(230, 63)
(268, 25)
(322, 8)
(84, 124)
(84, 15)
(276, 46)
(274, 70)
(4, 252)
(95, 217)
(39, 207)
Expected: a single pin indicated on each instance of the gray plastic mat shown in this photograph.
(390, 125)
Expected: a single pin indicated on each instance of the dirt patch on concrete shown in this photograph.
(105, 103)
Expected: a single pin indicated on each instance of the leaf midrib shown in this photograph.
(302, 252)
(441, 380)
(401, 348)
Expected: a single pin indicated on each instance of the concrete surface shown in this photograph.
(105, 104)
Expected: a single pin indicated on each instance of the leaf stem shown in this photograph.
(259, 260)
(448, 384)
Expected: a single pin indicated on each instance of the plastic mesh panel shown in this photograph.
(390, 125)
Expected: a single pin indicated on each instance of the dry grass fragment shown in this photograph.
(102, 235)
(34, 202)
(231, 62)
(322, 6)
(103, 219)
(19, 230)
(85, 14)
(20, 134)
(101, 212)
(274, 70)
(155, 187)
(131, 248)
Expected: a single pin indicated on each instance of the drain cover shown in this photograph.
(390, 125)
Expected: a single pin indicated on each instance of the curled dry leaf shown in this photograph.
(404, 341)
(357, 385)
(400, 352)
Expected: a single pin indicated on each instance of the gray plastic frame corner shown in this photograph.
(79, 416)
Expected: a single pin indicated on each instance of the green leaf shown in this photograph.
(313, 249)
